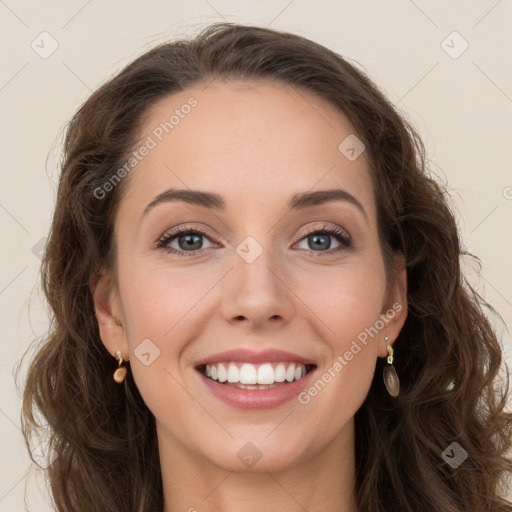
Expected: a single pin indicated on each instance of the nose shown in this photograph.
(257, 293)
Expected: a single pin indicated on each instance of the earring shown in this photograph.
(120, 373)
(390, 376)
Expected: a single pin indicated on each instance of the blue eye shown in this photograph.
(320, 239)
(187, 238)
(189, 241)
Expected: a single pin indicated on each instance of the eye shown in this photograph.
(188, 241)
(319, 238)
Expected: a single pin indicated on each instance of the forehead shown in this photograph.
(254, 142)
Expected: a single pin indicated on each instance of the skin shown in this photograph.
(256, 143)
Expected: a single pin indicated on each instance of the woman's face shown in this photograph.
(259, 290)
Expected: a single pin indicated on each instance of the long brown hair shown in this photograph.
(448, 356)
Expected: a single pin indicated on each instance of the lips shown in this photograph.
(255, 380)
(249, 356)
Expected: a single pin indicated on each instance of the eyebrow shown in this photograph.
(215, 201)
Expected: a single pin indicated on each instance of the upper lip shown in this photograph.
(251, 356)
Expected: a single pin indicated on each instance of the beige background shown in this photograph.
(462, 106)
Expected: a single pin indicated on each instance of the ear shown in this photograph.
(394, 311)
(107, 307)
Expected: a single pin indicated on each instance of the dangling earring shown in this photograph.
(390, 377)
(120, 373)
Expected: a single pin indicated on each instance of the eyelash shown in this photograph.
(340, 235)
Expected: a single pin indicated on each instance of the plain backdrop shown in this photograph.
(444, 64)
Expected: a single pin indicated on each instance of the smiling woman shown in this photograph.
(266, 310)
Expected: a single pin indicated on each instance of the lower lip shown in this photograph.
(257, 399)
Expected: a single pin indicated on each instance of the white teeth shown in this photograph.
(265, 374)
(280, 373)
(290, 373)
(222, 373)
(249, 375)
(233, 373)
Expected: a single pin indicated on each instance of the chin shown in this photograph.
(258, 454)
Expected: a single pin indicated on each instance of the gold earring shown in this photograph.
(390, 376)
(120, 373)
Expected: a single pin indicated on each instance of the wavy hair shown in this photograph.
(448, 356)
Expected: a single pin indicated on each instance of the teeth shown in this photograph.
(280, 373)
(222, 373)
(233, 373)
(290, 373)
(266, 374)
(248, 375)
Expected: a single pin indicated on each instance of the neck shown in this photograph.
(324, 482)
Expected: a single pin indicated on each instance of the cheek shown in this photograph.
(348, 303)
(160, 306)
(156, 299)
(347, 300)
(164, 309)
